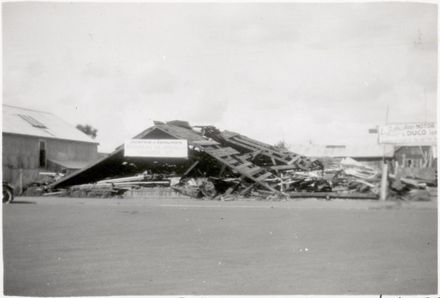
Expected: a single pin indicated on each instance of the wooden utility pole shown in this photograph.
(384, 180)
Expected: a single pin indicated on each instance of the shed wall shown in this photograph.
(21, 154)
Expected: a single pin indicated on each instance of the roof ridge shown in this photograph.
(28, 109)
(56, 126)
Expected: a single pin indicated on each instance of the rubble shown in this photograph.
(411, 188)
(41, 184)
(225, 165)
(95, 190)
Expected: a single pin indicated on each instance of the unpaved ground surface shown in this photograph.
(66, 246)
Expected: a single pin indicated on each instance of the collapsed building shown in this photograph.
(222, 164)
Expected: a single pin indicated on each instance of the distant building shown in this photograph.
(36, 141)
(371, 154)
(416, 156)
(420, 161)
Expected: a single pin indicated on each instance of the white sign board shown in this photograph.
(156, 148)
(424, 133)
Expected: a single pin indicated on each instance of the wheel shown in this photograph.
(8, 196)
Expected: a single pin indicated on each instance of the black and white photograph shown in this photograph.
(219, 148)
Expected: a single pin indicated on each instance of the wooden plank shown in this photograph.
(294, 159)
(284, 167)
(244, 191)
(265, 185)
(244, 157)
(264, 176)
(53, 193)
(333, 195)
(240, 144)
(282, 188)
(228, 134)
(244, 166)
(222, 151)
(229, 159)
(231, 162)
(253, 142)
(205, 143)
(254, 171)
(234, 163)
(256, 153)
(412, 182)
(190, 168)
(222, 170)
(140, 177)
(142, 183)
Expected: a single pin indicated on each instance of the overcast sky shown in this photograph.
(323, 73)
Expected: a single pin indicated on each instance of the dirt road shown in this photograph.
(63, 247)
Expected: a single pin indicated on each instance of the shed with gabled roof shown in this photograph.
(35, 141)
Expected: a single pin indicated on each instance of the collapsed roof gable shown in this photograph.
(108, 165)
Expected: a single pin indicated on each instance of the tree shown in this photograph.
(88, 130)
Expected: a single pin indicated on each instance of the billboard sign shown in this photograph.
(415, 134)
(156, 148)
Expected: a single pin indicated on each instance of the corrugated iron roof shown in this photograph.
(180, 132)
(364, 150)
(70, 164)
(23, 121)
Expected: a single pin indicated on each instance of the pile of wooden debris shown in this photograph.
(223, 165)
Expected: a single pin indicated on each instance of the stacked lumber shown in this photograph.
(142, 180)
(116, 187)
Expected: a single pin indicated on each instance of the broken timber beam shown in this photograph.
(190, 168)
(228, 156)
(332, 195)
